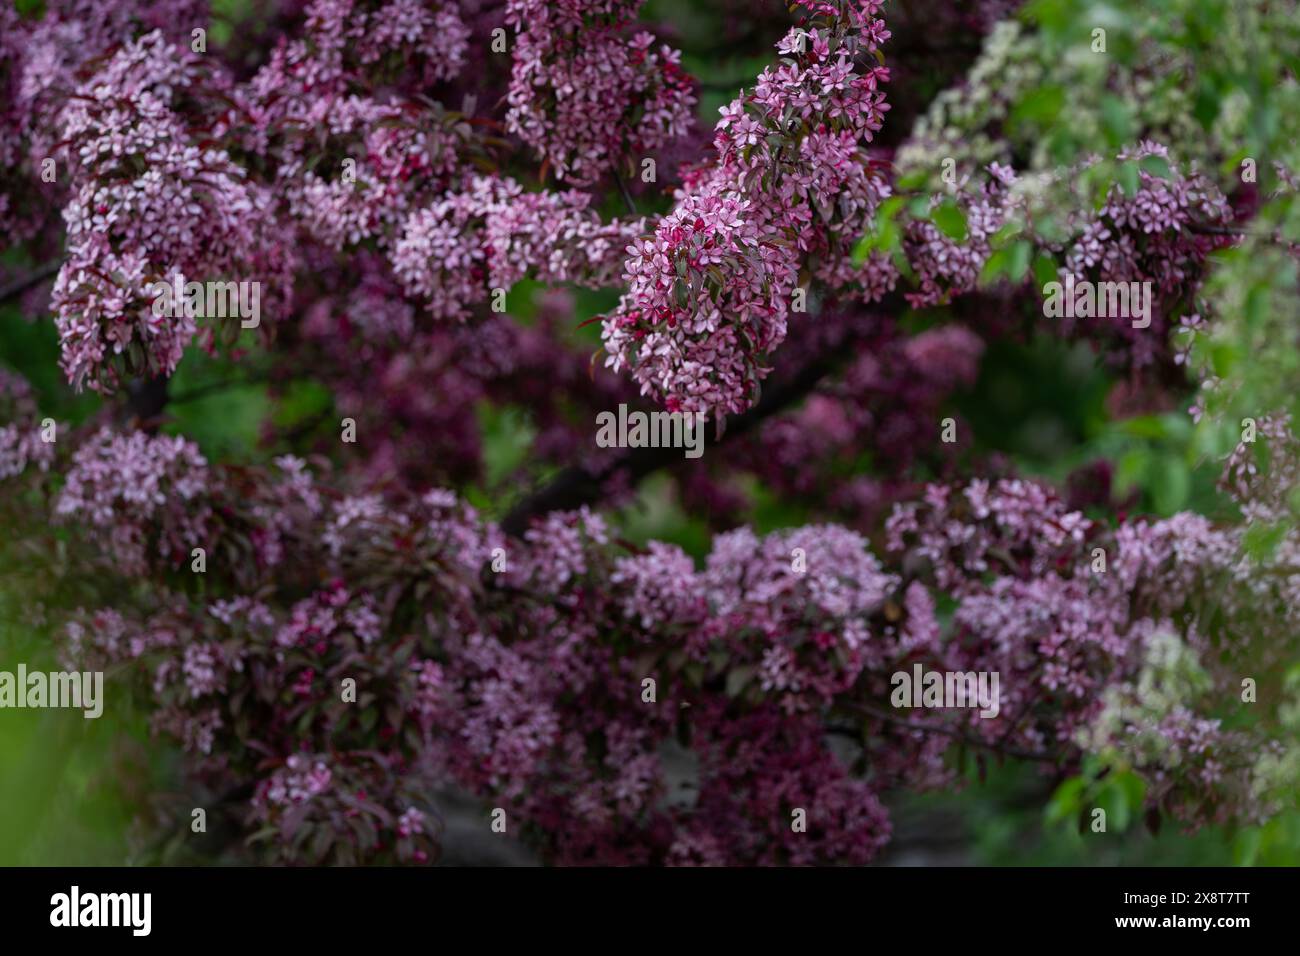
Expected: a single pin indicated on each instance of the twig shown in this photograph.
(627, 197)
(1206, 229)
(19, 286)
(199, 391)
(959, 734)
(146, 399)
(576, 485)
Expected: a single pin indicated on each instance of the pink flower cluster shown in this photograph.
(1156, 235)
(1152, 236)
(945, 266)
(351, 155)
(142, 493)
(360, 642)
(348, 40)
(512, 696)
(22, 444)
(150, 203)
(453, 253)
(1101, 635)
(1264, 491)
(712, 291)
(41, 59)
(587, 97)
(572, 683)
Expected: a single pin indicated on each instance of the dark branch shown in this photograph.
(958, 733)
(1209, 229)
(37, 276)
(627, 196)
(576, 486)
(210, 388)
(146, 399)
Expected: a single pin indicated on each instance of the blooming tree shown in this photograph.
(442, 204)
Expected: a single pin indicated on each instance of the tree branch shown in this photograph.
(959, 733)
(35, 277)
(146, 399)
(202, 391)
(1209, 229)
(576, 485)
(627, 196)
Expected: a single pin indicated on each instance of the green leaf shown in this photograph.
(1134, 788)
(1144, 426)
(1064, 804)
(1018, 261)
(1206, 108)
(1131, 470)
(224, 423)
(950, 220)
(738, 678)
(910, 181)
(1128, 178)
(1156, 166)
(1114, 801)
(1223, 358)
(994, 267)
(1008, 231)
(507, 437)
(1051, 15)
(902, 265)
(1261, 540)
(1173, 484)
(1246, 847)
(1045, 269)
(1041, 106)
(300, 402)
(1096, 182)
(1117, 120)
(884, 233)
(1257, 305)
